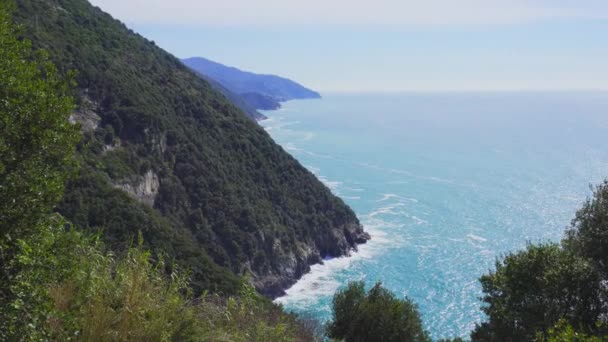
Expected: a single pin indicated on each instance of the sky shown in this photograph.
(388, 45)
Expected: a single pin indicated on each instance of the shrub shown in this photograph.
(376, 315)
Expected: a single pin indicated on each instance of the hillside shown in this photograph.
(239, 101)
(260, 91)
(164, 153)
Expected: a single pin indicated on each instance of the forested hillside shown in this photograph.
(164, 153)
(236, 99)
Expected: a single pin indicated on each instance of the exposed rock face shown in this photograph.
(145, 190)
(293, 264)
(86, 115)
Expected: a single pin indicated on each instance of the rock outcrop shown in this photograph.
(294, 263)
(144, 190)
(86, 115)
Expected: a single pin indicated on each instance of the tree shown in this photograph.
(37, 142)
(37, 145)
(376, 315)
(563, 332)
(588, 234)
(530, 291)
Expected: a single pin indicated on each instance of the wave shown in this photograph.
(386, 197)
(332, 185)
(476, 238)
(323, 279)
(319, 155)
(291, 147)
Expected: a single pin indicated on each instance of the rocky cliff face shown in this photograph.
(294, 263)
(143, 188)
(86, 115)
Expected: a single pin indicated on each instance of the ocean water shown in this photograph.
(445, 184)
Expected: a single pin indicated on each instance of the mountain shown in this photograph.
(239, 101)
(260, 91)
(165, 154)
(260, 101)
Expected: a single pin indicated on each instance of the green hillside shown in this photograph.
(164, 153)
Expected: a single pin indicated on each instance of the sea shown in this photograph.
(445, 183)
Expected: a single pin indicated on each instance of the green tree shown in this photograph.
(375, 315)
(37, 142)
(588, 235)
(37, 145)
(564, 332)
(530, 291)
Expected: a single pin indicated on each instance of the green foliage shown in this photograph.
(531, 290)
(548, 289)
(230, 199)
(133, 299)
(36, 155)
(42, 258)
(129, 298)
(376, 315)
(249, 317)
(37, 142)
(588, 235)
(564, 332)
(70, 289)
(58, 284)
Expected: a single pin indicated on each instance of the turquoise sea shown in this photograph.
(444, 183)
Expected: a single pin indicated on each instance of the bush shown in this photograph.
(376, 315)
(564, 332)
(553, 290)
(530, 291)
(588, 235)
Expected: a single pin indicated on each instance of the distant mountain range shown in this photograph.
(249, 91)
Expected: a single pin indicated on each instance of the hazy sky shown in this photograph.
(389, 45)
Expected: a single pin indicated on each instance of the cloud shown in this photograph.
(349, 13)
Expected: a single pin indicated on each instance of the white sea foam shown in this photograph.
(313, 169)
(292, 147)
(332, 185)
(387, 210)
(386, 197)
(419, 220)
(321, 281)
(476, 238)
(308, 136)
(440, 180)
(319, 155)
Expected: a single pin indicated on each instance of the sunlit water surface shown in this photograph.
(444, 183)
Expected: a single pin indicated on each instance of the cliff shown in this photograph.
(164, 153)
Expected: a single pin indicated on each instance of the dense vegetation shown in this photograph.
(36, 149)
(552, 290)
(375, 315)
(216, 194)
(229, 201)
(260, 101)
(238, 100)
(57, 284)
